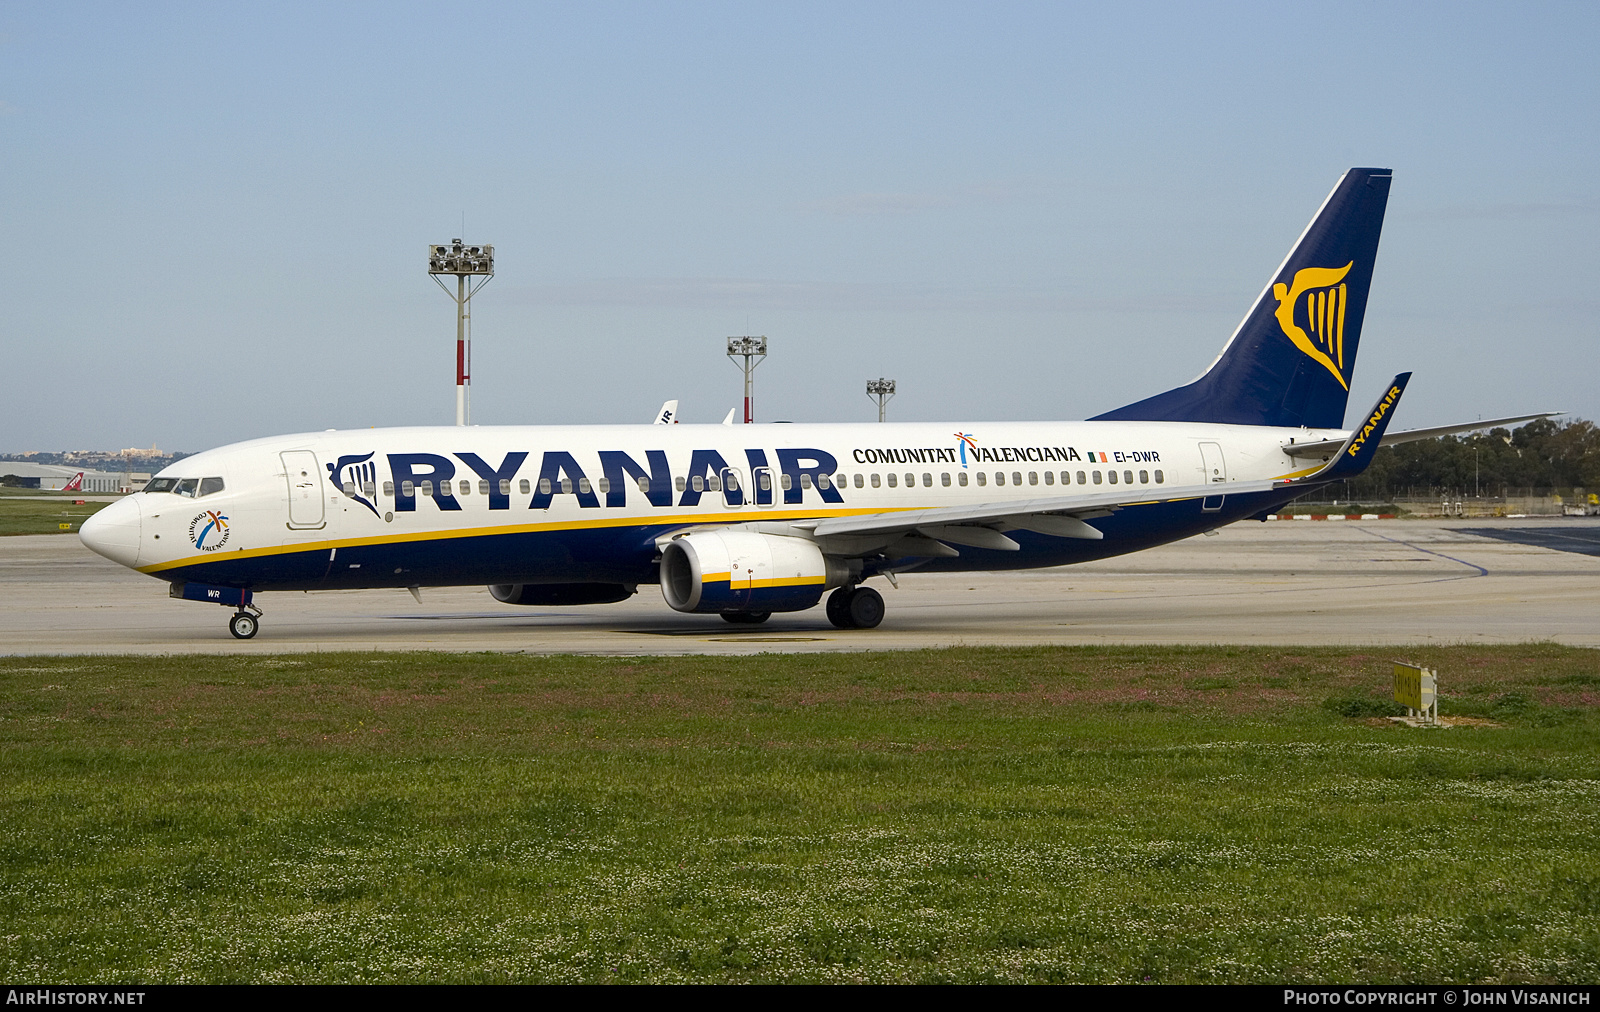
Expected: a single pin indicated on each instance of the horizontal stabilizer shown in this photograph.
(1323, 447)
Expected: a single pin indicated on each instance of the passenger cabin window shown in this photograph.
(681, 483)
(1144, 477)
(1111, 476)
(1033, 477)
(427, 488)
(786, 482)
(858, 481)
(927, 480)
(875, 481)
(1049, 477)
(823, 481)
(349, 488)
(805, 479)
(944, 478)
(605, 485)
(644, 484)
(370, 490)
(766, 481)
(407, 489)
(465, 486)
(911, 481)
(893, 480)
(388, 488)
(483, 488)
(961, 478)
(566, 486)
(1082, 480)
(1127, 477)
(999, 477)
(583, 485)
(1159, 478)
(544, 486)
(523, 487)
(983, 479)
(505, 486)
(1096, 477)
(210, 486)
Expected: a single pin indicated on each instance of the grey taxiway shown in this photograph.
(1389, 582)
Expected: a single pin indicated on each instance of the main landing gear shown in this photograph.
(855, 608)
(245, 624)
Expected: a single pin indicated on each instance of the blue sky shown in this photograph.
(216, 215)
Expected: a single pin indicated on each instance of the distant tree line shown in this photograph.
(1543, 456)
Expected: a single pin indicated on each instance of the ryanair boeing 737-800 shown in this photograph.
(743, 521)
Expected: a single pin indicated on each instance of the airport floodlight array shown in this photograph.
(881, 390)
(752, 350)
(473, 267)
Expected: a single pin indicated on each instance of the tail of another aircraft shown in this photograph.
(1291, 360)
(75, 485)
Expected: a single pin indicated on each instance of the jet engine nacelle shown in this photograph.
(562, 593)
(740, 571)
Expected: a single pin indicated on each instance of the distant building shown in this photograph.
(23, 474)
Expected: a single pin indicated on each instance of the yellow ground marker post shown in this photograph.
(1417, 689)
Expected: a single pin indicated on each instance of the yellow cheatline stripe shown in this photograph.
(480, 532)
(565, 525)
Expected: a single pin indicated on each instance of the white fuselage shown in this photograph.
(555, 504)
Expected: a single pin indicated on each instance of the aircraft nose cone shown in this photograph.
(114, 531)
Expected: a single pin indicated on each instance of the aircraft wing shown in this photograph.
(980, 525)
(1323, 447)
(983, 525)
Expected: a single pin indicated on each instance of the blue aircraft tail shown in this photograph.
(1290, 361)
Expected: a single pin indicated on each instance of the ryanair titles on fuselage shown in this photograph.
(758, 479)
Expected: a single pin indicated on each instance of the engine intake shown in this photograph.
(740, 571)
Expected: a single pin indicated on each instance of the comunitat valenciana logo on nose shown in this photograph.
(209, 531)
(1318, 297)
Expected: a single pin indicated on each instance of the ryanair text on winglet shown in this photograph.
(1372, 422)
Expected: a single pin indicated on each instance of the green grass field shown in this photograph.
(43, 513)
(1073, 814)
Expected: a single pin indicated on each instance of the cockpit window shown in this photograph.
(210, 485)
(187, 487)
(161, 485)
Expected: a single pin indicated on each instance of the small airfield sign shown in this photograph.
(1417, 689)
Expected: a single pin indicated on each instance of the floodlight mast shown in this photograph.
(748, 348)
(464, 261)
(882, 391)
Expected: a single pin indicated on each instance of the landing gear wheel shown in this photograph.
(746, 617)
(243, 625)
(839, 608)
(866, 608)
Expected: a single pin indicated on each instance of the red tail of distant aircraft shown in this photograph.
(75, 485)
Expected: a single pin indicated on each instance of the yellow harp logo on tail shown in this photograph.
(1318, 297)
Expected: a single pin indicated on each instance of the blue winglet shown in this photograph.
(1356, 454)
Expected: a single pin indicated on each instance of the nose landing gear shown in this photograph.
(243, 624)
(855, 608)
